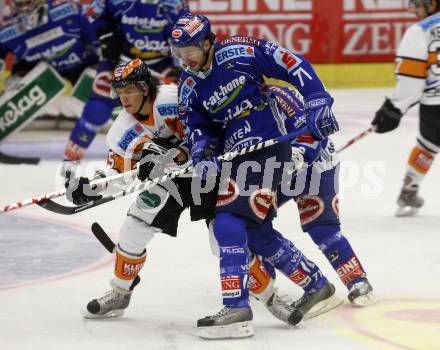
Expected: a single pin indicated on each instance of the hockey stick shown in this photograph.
(68, 210)
(356, 138)
(55, 194)
(108, 244)
(9, 159)
(103, 237)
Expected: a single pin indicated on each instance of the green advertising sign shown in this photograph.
(36, 89)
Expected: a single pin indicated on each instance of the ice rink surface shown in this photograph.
(52, 266)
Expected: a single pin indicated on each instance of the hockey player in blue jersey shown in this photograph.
(315, 191)
(225, 107)
(57, 32)
(133, 29)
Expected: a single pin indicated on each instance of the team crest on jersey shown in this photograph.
(286, 59)
(186, 90)
(129, 135)
(233, 51)
(62, 11)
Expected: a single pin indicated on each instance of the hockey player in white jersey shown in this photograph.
(417, 74)
(147, 126)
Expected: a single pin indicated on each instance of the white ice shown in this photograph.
(180, 279)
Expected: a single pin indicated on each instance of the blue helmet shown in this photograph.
(190, 30)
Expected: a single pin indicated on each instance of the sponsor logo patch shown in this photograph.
(176, 33)
(102, 84)
(261, 201)
(168, 110)
(286, 59)
(350, 270)
(193, 26)
(300, 278)
(10, 33)
(132, 133)
(310, 208)
(224, 94)
(231, 286)
(62, 11)
(148, 200)
(228, 193)
(44, 37)
(234, 51)
(186, 90)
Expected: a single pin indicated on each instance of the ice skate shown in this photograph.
(111, 304)
(409, 202)
(280, 307)
(361, 294)
(229, 322)
(313, 304)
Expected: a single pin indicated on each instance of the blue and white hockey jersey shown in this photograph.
(230, 103)
(145, 25)
(57, 33)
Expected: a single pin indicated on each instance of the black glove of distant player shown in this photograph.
(387, 117)
(151, 156)
(110, 42)
(79, 191)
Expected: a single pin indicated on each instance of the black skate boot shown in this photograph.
(112, 303)
(229, 322)
(361, 294)
(313, 304)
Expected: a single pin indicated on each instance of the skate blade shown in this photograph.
(322, 307)
(406, 211)
(365, 300)
(235, 330)
(110, 314)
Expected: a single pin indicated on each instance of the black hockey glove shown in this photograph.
(79, 191)
(387, 118)
(153, 154)
(110, 42)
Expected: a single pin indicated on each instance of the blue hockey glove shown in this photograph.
(205, 151)
(309, 146)
(319, 116)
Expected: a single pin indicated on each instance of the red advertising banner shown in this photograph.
(325, 31)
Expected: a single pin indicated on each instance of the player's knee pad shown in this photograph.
(261, 282)
(135, 235)
(230, 229)
(148, 204)
(127, 267)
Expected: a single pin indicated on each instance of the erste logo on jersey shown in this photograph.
(134, 132)
(186, 89)
(234, 51)
(286, 59)
(168, 110)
